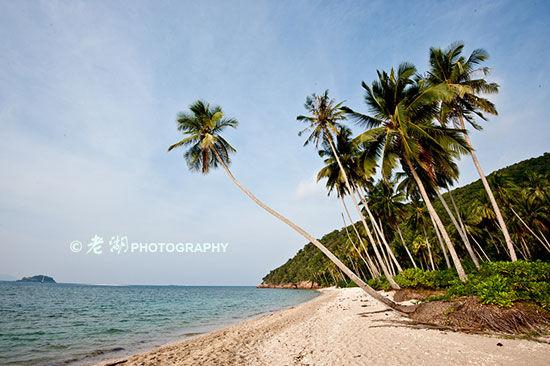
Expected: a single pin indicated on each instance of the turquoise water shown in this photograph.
(60, 324)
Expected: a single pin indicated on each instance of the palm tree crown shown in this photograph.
(325, 118)
(387, 201)
(403, 107)
(401, 123)
(202, 128)
(349, 155)
(465, 77)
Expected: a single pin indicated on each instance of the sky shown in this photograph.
(89, 93)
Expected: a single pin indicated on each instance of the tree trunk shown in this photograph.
(458, 229)
(461, 222)
(387, 273)
(383, 235)
(357, 249)
(405, 246)
(442, 230)
(480, 248)
(440, 241)
(429, 248)
(544, 237)
(384, 255)
(369, 290)
(378, 230)
(500, 219)
(528, 228)
(373, 266)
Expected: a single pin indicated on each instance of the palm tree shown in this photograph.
(417, 221)
(402, 130)
(530, 208)
(408, 185)
(323, 125)
(449, 67)
(443, 172)
(348, 154)
(388, 202)
(207, 149)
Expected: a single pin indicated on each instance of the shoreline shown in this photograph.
(340, 326)
(196, 331)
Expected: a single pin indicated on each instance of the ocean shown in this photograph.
(70, 324)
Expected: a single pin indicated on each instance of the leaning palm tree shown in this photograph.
(465, 77)
(402, 130)
(444, 172)
(410, 188)
(417, 221)
(207, 149)
(388, 202)
(324, 123)
(348, 154)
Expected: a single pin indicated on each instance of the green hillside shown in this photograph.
(518, 180)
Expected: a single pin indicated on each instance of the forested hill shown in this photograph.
(310, 266)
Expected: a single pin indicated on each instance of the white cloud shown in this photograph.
(310, 188)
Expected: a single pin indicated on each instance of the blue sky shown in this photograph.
(90, 90)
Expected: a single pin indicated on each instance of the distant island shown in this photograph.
(38, 278)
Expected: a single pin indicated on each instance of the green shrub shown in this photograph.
(519, 271)
(495, 290)
(499, 283)
(379, 283)
(538, 292)
(418, 278)
(502, 283)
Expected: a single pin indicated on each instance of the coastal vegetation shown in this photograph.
(500, 295)
(398, 171)
(522, 180)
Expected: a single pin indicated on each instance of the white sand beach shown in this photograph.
(341, 327)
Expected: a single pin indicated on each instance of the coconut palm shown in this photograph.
(401, 130)
(531, 213)
(207, 149)
(466, 77)
(324, 123)
(348, 154)
(418, 221)
(408, 185)
(442, 173)
(388, 202)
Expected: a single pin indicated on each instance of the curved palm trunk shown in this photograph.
(378, 230)
(357, 249)
(458, 228)
(370, 265)
(369, 290)
(498, 214)
(461, 222)
(440, 241)
(381, 262)
(405, 246)
(387, 273)
(375, 268)
(382, 234)
(429, 247)
(528, 228)
(437, 219)
(482, 251)
(359, 253)
(384, 255)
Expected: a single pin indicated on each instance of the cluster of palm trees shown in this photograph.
(413, 133)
